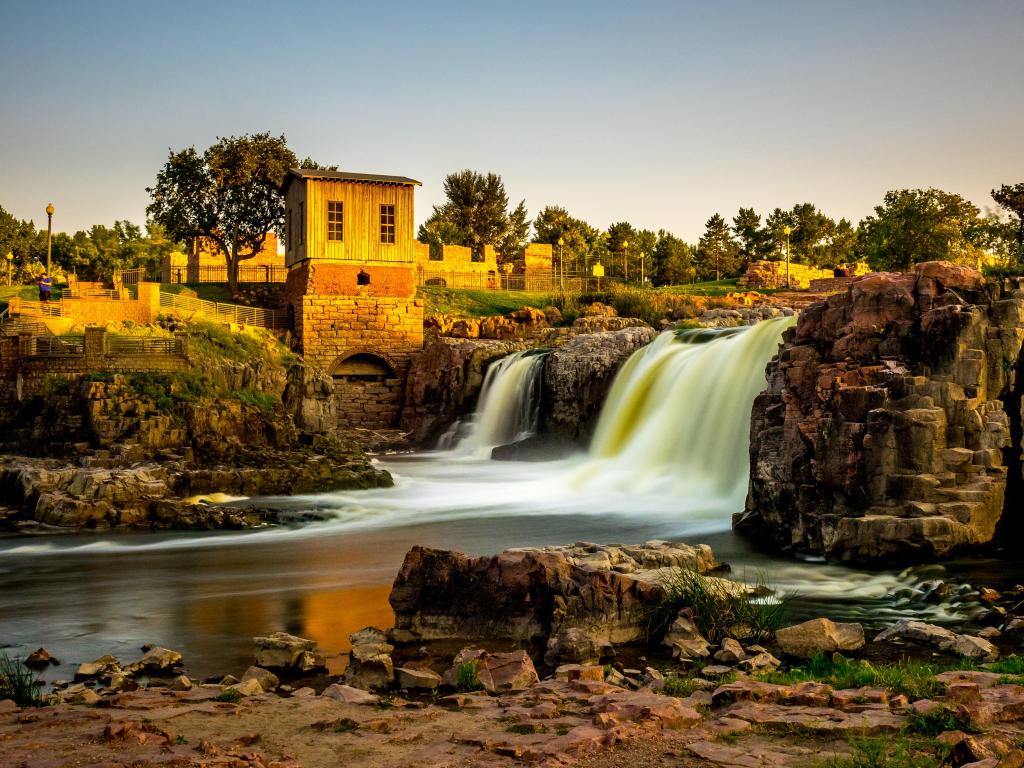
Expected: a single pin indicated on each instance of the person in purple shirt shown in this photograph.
(45, 284)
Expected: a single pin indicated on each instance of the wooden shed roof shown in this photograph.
(352, 176)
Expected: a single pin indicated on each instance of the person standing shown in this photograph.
(45, 284)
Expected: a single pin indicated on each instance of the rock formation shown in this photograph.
(536, 595)
(891, 416)
(578, 375)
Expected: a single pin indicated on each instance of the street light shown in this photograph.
(643, 255)
(561, 264)
(10, 263)
(625, 261)
(49, 235)
(787, 229)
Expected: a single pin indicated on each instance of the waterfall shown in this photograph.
(509, 405)
(677, 418)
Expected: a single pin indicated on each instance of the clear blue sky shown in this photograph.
(659, 113)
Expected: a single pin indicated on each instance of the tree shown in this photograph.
(309, 164)
(673, 260)
(476, 214)
(754, 242)
(775, 227)
(811, 236)
(621, 243)
(231, 194)
(1012, 199)
(580, 241)
(717, 251)
(915, 225)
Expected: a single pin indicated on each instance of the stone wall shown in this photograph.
(772, 274)
(341, 310)
(100, 310)
(887, 426)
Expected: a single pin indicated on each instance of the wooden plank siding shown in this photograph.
(307, 199)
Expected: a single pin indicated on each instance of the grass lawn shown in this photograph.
(26, 292)
(208, 291)
(710, 288)
(478, 303)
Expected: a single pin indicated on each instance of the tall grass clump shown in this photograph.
(720, 608)
(18, 683)
(914, 679)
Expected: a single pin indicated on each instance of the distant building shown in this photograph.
(351, 287)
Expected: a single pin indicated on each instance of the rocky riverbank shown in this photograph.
(650, 694)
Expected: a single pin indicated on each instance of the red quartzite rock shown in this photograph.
(880, 436)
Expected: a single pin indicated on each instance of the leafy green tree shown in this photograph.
(231, 194)
(673, 260)
(717, 252)
(1012, 199)
(775, 227)
(915, 225)
(309, 164)
(580, 241)
(842, 245)
(621, 245)
(812, 234)
(475, 213)
(754, 242)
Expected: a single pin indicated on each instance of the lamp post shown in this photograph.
(10, 263)
(561, 264)
(625, 261)
(787, 229)
(49, 235)
(643, 255)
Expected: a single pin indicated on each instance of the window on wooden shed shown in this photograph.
(387, 224)
(335, 227)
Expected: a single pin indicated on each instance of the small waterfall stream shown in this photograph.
(509, 405)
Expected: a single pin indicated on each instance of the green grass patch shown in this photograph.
(18, 683)
(206, 291)
(914, 679)
(889, 752)
(466, 676)
(1009, 665)
(720, 608)
(263, 401)
(939, 720)
(230, 695)
(466, 302)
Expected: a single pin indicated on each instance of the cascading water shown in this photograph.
(509, 405)
(677, 418)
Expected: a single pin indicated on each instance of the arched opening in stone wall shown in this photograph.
(363, 366)
(367, 391)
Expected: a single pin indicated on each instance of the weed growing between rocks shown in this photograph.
(18, 683)
(938, 720)
(887, 752)
(914, 679)
(720, 608)
(230, 695)
(466, 676)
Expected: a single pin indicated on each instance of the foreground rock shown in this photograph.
(968, 646)
(281, 651)
(882, 433)
(537, 595)
(806, 640)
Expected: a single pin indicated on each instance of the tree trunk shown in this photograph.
(233, 272)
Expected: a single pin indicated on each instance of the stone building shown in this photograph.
(351, 286)
(204, 263)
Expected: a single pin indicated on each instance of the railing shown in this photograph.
(134, 345)
(130, 276)
(19, 306)
(247, 273)
(53, 346)
(225, 313)
(92, 293)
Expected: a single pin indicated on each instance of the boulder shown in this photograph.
(685, 641)
(731, 652)
(416, 679)
(282, 651)
(268, 680)
(370, 664)
(97, 667)
(180, 683)
(40, 659)
(819, 636)
(156, 661)
(943, 639)
(573, 645)
(494, 672)
(346, 694)
(250, 687)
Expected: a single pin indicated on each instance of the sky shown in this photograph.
(656, 113)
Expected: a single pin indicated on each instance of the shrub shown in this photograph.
(18, 683)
